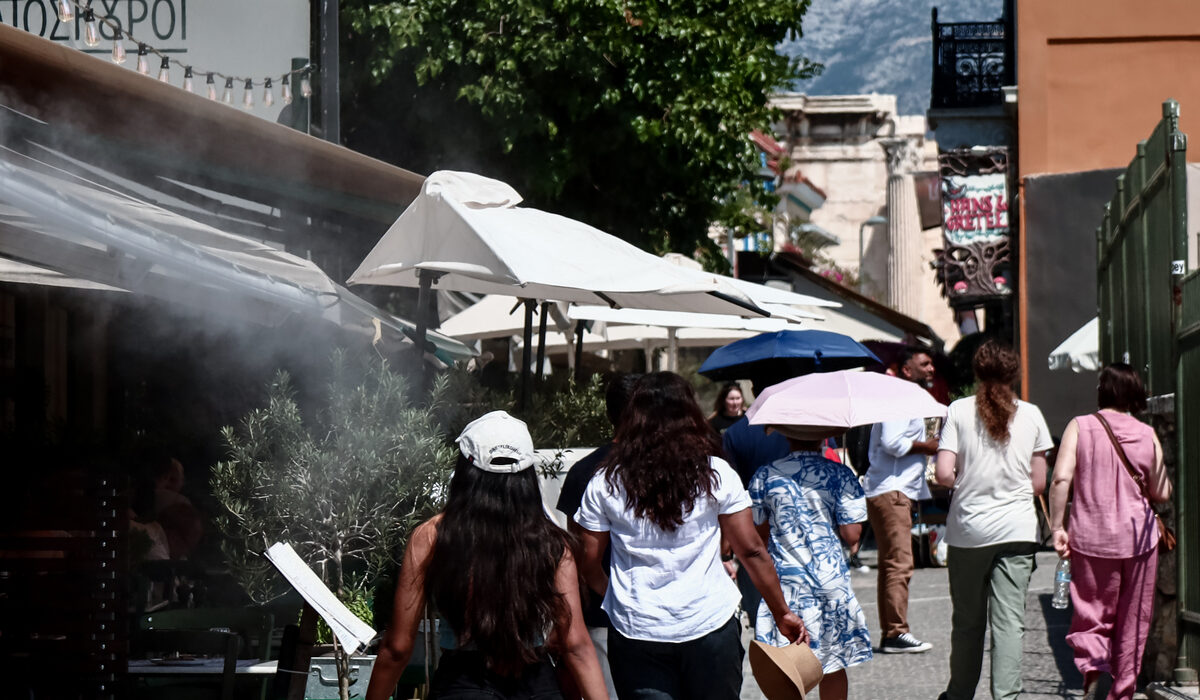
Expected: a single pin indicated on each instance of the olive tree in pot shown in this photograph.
(343, 482)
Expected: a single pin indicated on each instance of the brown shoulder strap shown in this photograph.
(1137, 478)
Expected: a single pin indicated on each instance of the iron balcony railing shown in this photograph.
(972, 62)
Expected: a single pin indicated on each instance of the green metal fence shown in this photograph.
(1142, 253)
(1187, 475)
(1150, 318)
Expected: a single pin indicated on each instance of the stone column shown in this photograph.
(904, 228)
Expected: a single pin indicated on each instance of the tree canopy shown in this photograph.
(630, 115)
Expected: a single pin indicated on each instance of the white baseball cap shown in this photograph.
(497, 443)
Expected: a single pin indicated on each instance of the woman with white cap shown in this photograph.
(500, 573)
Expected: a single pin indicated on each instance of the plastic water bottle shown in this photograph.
(1062, 585)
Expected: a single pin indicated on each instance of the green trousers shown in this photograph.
(987, 586)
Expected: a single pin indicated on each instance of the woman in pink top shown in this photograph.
(1112, 538)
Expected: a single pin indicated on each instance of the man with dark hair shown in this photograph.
(569, 498)
(898, 453)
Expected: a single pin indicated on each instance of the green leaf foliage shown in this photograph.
(631, 115)
(343, 486)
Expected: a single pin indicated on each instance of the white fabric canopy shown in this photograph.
(643, 337)
(674, 319)
(780, 303)
(24, 273)
(1080, 352)
(469, 229)
(68, 226)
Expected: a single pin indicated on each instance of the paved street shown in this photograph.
(1048, 671)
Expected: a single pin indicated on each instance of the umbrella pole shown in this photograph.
(649, 357)
(424, 300)
(523, 397)
(579, 351)
(672, 350)
(541, 355)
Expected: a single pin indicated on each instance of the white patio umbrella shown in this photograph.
(671, 323)
(1080, 352)
(466, 233)
(780, 303)
(646, 338)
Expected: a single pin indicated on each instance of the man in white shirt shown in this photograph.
(895, 479)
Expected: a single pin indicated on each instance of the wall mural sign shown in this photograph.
(974, 266)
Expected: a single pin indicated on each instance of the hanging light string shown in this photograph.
(67, 10)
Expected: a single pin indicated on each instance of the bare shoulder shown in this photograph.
(424, 537)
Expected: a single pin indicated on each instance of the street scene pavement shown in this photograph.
(1048, 669)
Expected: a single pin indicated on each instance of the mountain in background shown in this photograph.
(883, 46)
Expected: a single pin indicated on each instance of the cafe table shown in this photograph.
(198, 667)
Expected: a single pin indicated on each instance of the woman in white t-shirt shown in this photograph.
(663, 499)
(993, 452)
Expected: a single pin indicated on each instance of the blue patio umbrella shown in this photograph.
(770, 358)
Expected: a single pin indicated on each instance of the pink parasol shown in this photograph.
(843, 399)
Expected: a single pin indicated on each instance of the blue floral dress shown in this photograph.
(805, 497)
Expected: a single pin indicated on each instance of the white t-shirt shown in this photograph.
(993, 492)
(666, 586)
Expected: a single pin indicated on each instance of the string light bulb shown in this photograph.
(285, 91)
(268, 96)
(164, 70)
(188, 84)
(305, 86)
(248, 95)
(91, 28)
(212, 87)
(66, 10)
(227, 95)
(143, 63)
(118, 53)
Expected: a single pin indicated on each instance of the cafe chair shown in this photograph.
(194, 664)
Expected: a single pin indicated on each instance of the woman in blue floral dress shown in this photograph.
(805, 507)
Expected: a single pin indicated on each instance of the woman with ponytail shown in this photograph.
(993, 452)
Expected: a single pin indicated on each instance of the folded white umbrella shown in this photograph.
(469, 230)
(1080, 352)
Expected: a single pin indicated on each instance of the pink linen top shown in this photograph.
(1110, 518)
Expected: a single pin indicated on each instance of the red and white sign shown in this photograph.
(974, 208)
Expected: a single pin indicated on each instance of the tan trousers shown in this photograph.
(890, 515)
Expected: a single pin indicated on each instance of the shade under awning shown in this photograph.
(76, 228)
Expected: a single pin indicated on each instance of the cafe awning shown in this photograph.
(67, 225)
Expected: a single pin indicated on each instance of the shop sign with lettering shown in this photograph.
(974, 208)
(254, 39)
(974, 266)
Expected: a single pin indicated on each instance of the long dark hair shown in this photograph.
(996, 367)
(662, 450)
(493, 567)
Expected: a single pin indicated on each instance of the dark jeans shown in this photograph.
(463, 675)
(709, 667)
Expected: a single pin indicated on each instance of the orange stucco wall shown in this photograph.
(1092, 75)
